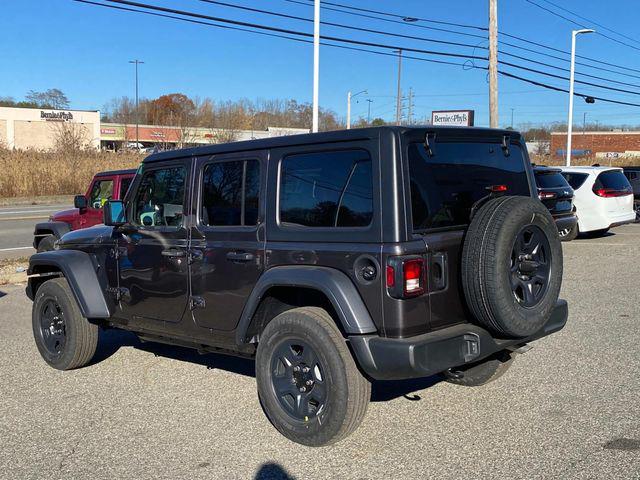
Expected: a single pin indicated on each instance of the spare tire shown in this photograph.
(512, 266)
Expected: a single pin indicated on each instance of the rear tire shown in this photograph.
(308, 383)
(46, 244)
(512, 266)
(570, 235)
(65, 339)
(481, 373)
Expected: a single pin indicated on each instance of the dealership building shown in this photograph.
(597, 144)
(40, 129)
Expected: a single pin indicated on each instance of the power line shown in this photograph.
(515, 37)
(580, 24)
(340, 25)
(293, 32)
(593, 22)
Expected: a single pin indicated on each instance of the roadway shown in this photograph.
(16, 227)
(566, 409)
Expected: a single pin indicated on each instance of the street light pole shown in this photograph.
(349, 97)
(584, 122)
(574, 34)
(512, 118)
(399, 93)
(316, 62)
(369, 101)
(493, 63)
(137, 62)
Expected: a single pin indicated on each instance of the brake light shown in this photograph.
(497, 188)
(546, 195)
(391, 276)
(413, 276)
(610, 192)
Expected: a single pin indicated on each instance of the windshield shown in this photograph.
(550, 180)
(445, 186)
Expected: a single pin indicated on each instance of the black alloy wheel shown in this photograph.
(53, 330)
(297, 379)
(530, 266)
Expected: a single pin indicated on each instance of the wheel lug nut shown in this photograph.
(303, 389)
(305, 369)
(309, 382)
(296, 368)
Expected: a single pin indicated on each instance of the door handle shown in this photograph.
(240, 256)
(173, 253)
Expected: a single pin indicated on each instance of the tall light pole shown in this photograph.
(584, 122)
(349, 97)
(574, 34)
(399, 93)
(493, 63)
(512, 118)
(137, 62)
(316, 62)
(369, 102)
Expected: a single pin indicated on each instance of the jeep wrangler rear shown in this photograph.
(333, 259)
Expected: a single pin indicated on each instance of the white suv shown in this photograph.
(603, 198)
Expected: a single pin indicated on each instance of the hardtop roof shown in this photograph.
(116, 172)
(354, 134)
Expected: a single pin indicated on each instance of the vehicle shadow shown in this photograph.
(111, 340)
(2, 294)
(272, 471)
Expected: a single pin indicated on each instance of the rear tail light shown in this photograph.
(547, 195)
(406, 276)
(610, 192)
(497, 188)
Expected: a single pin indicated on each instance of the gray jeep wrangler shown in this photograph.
(333, 259)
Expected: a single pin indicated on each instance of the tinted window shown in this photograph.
(230, 193)
(125, 183)
(575, 179)
(612, 179)
(445, 186)
(550, 180)
(631, 175)
(327, 189)
(159, 198)
(101, 191)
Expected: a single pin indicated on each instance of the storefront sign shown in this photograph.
(56, 116)
(459, 118)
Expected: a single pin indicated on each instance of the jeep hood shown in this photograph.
(65, 215)
(92, 235)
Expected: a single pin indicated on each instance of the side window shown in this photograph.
(125, 183)
(327, 189)
(159, 198)
(575, 179)
(101, 191)
(230, 193)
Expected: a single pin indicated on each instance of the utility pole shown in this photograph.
(349, 97)
(137, 62)
(399, 94)
(493, 63)
(316, 63)
(369, 101)
(574, 34)
(584, 122)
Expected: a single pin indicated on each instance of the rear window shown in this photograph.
(613, 180)
(445, 186)
(550, 180)
(327, 189)
(575, 179)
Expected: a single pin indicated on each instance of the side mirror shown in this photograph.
(80, 202)
(114, 213)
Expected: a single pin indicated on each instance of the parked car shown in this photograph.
(333, 259)
(633, 175)
(87, 210)
(602, 196)
(557, 195)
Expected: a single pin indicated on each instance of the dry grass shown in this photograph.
(9, 270)
(31, 173)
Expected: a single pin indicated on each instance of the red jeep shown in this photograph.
(88, 208)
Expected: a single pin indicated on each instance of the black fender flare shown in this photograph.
(337, 286)
(57, 229)
(80, 271)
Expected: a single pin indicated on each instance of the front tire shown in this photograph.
(65, 339)
(46, 244)
(308, 383)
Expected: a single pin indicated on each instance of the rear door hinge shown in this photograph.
(196, 302)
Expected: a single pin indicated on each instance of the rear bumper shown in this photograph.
(566, 222)
(434, 352)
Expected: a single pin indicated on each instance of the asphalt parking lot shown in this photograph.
(569, 408)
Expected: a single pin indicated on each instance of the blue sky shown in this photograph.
(84, 50)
